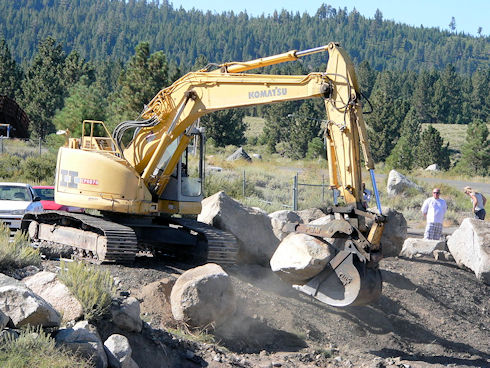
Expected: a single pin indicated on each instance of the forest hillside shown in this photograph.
(102, 29)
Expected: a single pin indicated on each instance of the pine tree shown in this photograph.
(423, 95)
(403, 154)
(480, 94)
(432, 150)
(225, 127)
(276, 128)
(475, 154)
(366, 77)
(43, 87)
(452, 24)
(389, 111)
(138, 83)
(447, 99)
(10, 73)
(302, 129)
(84, 102)
(75, 68)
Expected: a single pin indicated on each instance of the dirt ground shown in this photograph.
(430, 314)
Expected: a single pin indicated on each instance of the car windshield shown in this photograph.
(46, 194)
(14, 193)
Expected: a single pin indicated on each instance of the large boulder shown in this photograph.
(470, 247)
(433, 167)
(251, 226)
(127, 315)
(414, 246)
(119, 352)
(310, 214)
(299, 257)
(4, 320)
(394, 233)
(281, 218)
(322, 220)
(203, 295)
(239, 154)
(46, 285)
(83, 339)
(24, 307)
(398, 183)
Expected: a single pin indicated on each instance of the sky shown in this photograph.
(468, 14)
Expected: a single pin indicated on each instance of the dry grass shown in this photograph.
(34, 348)
(455, 134)
(255, 126)
(16, 252)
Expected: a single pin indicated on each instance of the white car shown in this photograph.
(15, 200)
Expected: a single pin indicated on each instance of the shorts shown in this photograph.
(433, 231)
(480, 214)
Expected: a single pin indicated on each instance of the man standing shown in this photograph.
(434, 209)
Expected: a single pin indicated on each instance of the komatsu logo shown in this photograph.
(268, 93)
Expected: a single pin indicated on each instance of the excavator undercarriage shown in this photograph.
(119, 239)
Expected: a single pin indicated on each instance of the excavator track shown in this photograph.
(104, 240)
(222, 246)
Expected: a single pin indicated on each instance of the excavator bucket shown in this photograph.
(345, 281)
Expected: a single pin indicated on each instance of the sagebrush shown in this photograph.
(93, 287)
(35, 348)
(16, 251)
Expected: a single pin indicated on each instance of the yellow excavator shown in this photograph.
(138, 186)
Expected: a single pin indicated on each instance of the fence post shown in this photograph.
(295, 192)
(323, 188)
(39, 146)
(243, 184)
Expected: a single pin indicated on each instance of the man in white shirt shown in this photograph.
(434, 210)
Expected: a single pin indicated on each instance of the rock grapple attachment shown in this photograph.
(352, 276)
(345, 281)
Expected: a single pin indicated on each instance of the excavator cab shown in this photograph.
(184, 191)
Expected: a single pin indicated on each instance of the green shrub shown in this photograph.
(9, 166)
(38, 168)
(316, 149)
(93, 288)
(34, 348)
(16, 252)
(54, 142)
(252, 141)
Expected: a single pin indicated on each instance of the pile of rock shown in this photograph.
(42, 300)
(25, 303)
(468, 246)
(200, 297)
